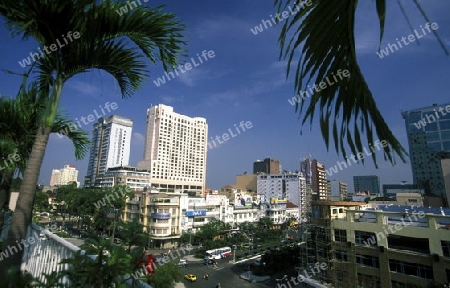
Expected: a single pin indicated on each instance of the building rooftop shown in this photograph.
(337, 203)
(411, 209)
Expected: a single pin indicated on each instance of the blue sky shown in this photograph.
(245, 81)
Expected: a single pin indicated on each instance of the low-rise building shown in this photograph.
(390, 246)
(410, 199)
(124, 175)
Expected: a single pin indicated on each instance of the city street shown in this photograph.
(226, 274)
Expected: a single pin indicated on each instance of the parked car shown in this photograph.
(257, 262)
(190, 277)
(183, 263)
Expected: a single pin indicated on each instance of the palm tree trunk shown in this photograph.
(21, 218)
(5, 194)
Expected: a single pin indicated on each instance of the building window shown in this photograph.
(340, 235)
(367, 260)
(365, 238)
(413, 269)
(445, 248)
(414, 244)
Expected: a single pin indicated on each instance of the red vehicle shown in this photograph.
(148, 261)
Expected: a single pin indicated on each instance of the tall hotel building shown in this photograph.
(316, 177)
(175, 151)
(64, 176)
(110, 146)
(428, 130)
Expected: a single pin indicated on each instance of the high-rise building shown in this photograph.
(268, 166)
(289, 186)
(315, 176)
(369, 183)
(110, 146)
(64, 176)
(428, 130)
(175, 150)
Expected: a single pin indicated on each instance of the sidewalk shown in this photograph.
(191, 258)
(253, 278)
(175, 254)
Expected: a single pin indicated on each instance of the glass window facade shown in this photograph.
(428, 131)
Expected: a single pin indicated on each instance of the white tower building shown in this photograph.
(175, 150)
(110, 146)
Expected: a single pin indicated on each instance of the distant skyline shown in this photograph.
(245, 81)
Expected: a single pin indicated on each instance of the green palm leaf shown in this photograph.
(323, 33)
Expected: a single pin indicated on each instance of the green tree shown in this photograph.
(165, 276)
(321, 39)
(41, 202)
(101, 266)
(103, 40)
(265, 222)
(19, 125)
(213, 228)
(132, 233)
(247, 226)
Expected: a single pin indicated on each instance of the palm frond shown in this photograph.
(108, 41)
(323, 33)
(80, 138)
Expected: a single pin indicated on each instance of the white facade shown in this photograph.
(197, 211)
(175, 150)
(64, 176)
(110, 146)
(119, 176)
(290, 186)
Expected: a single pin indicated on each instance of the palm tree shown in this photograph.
(18, 123)
(323, 33)
(100, 39)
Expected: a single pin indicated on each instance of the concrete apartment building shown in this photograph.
(175, 150)
(66, 175)
(410, 199)
(120, 176)
(110, 146)
(166, 216)
(393, 246)
(284, 187)
(160, 213)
